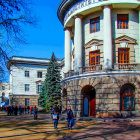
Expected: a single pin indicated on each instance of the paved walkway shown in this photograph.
(25, 128)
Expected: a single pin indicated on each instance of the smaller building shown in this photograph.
(27, 75)
(4, 94)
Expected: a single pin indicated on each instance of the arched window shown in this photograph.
(127, 101)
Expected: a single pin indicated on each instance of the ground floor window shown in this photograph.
(127, 98)
(27, 102)
(39, 102)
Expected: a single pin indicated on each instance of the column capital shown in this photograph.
(68, 28)
(110, 6)
(78, 16)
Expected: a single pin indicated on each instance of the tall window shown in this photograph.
(26, 73)
(39, 74)
(123, 55)
(27, 87)
(94, 57)
(27, 102)
(95, 25)
(39, 88)
(127, 98)
(122, 21)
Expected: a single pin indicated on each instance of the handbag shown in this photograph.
(54, 116)
(73, 122)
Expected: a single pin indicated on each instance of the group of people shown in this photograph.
(55, 112)
(20, 110)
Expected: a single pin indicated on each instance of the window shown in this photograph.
(94, 57)
(95, 25)
(127, 101)
(26, 73)
(123, 55)
(39, 102)
(27, 102)
(122, 21)
(39, 74)
(26, 87)
(39, 88)
(3, 87)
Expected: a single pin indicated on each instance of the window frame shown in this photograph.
(129, 94)
(39, 102)
(27, 103)
(26, 74)
(39, 87)
(124, 20)
(38, 74)
(125, 54)
(95, 21)
(27, 87)
(95, 56)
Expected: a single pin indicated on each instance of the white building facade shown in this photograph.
(102, 56)
(27, 75)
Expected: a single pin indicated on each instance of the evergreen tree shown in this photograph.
(51, 89)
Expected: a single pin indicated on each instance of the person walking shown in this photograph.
(28, 109)
(35, 110)
(31, 110)
(70, 118)
(55, 116)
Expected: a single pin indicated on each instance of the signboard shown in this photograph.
(79, 5)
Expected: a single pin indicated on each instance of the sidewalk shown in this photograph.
(25, 128)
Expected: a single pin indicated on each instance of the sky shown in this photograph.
(45, 37)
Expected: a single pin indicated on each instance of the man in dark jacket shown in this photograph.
(35, 110)
(70, 117)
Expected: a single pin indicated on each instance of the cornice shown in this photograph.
(101, 74)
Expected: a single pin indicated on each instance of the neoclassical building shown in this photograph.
(27, 75)
(102, 57)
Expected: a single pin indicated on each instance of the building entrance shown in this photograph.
(89, 101)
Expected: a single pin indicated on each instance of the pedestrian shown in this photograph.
(31, 110)
(35, 110)
(55, 116)
(16, 110)
(70, 118)
(25, 109)
(20, 110)
(28, 109)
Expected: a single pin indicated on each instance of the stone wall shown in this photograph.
(107, 94)
(19, 100)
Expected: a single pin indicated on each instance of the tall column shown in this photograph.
(72, 59)
(67, 50)
(107, 38)
(139, 36)
(78, 43)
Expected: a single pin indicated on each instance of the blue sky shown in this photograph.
(47, 36)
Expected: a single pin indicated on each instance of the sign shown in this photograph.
(80, 5)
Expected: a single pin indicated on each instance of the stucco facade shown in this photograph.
(102, 71)
(27, 75)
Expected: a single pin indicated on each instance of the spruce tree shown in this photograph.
(51, 89)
